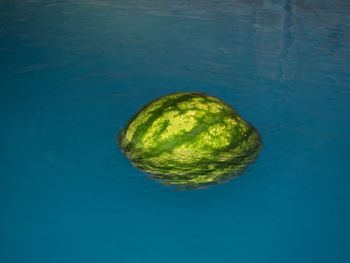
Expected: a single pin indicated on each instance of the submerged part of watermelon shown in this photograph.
(190, 139)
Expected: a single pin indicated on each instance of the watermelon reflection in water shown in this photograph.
(189, 139)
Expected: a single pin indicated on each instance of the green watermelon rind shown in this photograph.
(207, 168)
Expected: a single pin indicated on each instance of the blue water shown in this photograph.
(74, 72)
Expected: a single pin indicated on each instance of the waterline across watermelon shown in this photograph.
(190, 139)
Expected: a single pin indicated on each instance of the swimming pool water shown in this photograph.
(73, 73)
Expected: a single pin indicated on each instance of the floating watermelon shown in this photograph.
(190, 139)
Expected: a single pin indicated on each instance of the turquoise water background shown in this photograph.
(74, 72)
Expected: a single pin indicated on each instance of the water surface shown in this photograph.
(73, 73)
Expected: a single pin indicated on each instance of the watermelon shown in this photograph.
(189, 139)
